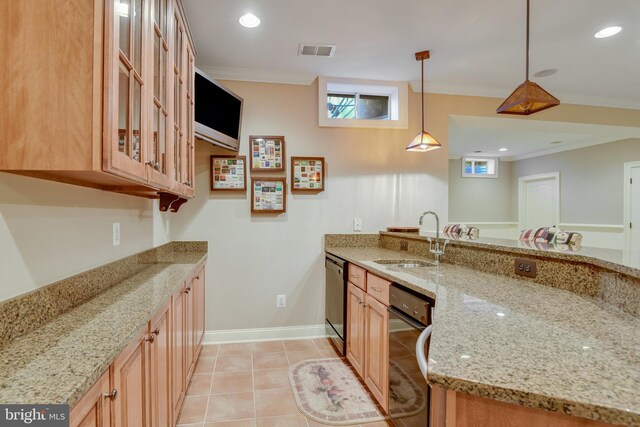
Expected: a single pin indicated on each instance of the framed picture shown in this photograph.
(268, 195)
(267, 153)
(228, 173)
(307, 174)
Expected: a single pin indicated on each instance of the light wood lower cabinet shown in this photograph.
(376, 352)
(355, 327)
(368, 335)
(454, 409)
(94, 409)
(145, 385)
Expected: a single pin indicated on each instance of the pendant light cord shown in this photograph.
(422, 87)
(527, 40)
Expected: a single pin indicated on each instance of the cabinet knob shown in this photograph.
(112, 395)
(198, 277)
(365, 306)
(375, 289)
(151, 338)
(156, 332)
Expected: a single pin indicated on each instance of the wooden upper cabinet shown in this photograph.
(95, 103)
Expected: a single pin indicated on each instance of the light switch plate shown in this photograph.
(116, 234)
(357, 224)
(526, 267)
(281, 301)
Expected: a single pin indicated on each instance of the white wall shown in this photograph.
(252, 258)
(49, 231)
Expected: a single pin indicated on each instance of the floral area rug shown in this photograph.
(329, 391)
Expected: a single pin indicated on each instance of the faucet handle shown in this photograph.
(446, 241)
(430, 243)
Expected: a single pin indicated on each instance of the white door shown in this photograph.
(539, 201)
(634, 204)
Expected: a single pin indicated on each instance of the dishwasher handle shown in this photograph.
(422, 359)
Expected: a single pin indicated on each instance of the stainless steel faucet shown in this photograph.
(435, 250)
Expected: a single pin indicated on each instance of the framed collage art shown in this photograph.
(307, 174)
(268, 195)
(228, 173)
(267, 153)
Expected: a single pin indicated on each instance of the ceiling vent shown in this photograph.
(306, 49)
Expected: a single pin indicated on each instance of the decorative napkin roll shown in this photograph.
(461, 232)
(562, 240)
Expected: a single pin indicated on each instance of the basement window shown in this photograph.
(362, 103)
(479, 167)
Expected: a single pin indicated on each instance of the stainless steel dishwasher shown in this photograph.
(335, 295)
(409, 331)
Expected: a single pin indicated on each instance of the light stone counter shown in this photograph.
(59, 361)
(516, 341)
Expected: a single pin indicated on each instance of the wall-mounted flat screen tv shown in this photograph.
(218, 113)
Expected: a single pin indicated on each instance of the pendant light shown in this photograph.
(423, 141)
(529, 97)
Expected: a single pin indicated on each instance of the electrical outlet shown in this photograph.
(281, 301)
(357, 224)
(404, 245)
(526, 267)
(116, 234)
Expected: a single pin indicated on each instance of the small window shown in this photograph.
(357, 106)
(480, 167)
(362, 103)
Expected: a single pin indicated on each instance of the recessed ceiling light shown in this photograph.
(546, 73)
(478, 151)
(501, 314)
(555, 142)
(503, 149)
(607, 32)
(249, 20)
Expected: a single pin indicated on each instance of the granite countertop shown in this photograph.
(516, 341)
(60, 361)
(621, 261)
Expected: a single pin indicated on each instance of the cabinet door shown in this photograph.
(160, 368)
(93, 410)
(178, 360)
(125, 88)
(179, 137)
(355, 327)
(376, 363)
(189, 116)
(188, 330)
(160, 144)
(199, 308)
(130, 379)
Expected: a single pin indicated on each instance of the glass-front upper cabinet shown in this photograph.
(160, 144)
(189, 127)
(125, 88)
(179, 104)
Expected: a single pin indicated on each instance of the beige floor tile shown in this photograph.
(270, 360)
(329, 353)
(274, 403)
(230, 407)
(209, 350)
(323, 343)
(239, 348)
(232, 382)
(205, 365)
(200, 384)
(312, 423)
(241, 423)
(268, 347)
(190, 425)
(285, 421)
(299, 345)
(234, 363)
(193, 410)
(298, 356)
(269, 379)
(379, 424)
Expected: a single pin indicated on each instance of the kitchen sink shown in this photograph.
(405, 263)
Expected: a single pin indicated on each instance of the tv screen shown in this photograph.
(218, 112)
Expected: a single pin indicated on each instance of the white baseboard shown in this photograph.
(264, 334)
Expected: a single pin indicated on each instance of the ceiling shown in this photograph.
(477, 47)
(526, 138)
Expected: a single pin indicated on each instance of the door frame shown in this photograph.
(627, 201)
(522, 180)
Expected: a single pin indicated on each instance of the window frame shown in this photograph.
(396, 91)
(496, 166)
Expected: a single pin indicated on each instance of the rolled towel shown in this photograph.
(461, 232)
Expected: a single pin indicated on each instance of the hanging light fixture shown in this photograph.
(423, 141)
(529, 97)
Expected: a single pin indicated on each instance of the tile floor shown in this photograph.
(247, 385)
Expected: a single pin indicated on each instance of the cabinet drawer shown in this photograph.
(378, 288)
(358, 276)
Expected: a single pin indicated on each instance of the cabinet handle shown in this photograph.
(156, 332)
(111, 395)
(153, 164)
(365, 306)
(150, 338)
(376, 289)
